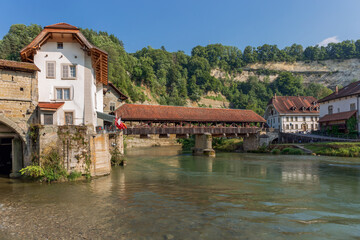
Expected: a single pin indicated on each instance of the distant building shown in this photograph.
(291, 114)
(339, 107)
(71, 78)
(113, 98)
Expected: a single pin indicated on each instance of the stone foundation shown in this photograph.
(79, 148)
(203, 145)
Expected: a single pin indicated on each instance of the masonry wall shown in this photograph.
(18, 101)
(111, 96)
(79, 149)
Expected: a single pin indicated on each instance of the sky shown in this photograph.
(184, 24)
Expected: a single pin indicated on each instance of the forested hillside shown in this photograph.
(175, 77)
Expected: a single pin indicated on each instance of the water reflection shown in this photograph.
(163, 193)
(303, 172)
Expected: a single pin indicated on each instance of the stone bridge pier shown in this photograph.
(203, 145)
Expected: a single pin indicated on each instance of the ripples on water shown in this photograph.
(163, 193)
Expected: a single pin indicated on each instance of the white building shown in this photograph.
(291, 114)
(340, 106)
(73, 73)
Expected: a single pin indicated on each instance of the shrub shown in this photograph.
(291, 151)
(53, 167)
(31, 171)
(74, 175)
(276, 151)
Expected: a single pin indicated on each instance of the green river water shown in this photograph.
(165, 194)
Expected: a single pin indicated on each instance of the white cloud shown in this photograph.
(326, 41)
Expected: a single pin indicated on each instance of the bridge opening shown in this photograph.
(5, 156)
(11, 151)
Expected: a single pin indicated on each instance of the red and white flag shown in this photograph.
(119, 124)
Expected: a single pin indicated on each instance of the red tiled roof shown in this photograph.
(50, 106)
(62, 26)
(349, 90)
(337, 116)
(294, 104)
(122, 96)
(137, 112)
(18, 65)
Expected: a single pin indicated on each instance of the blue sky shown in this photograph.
(182, 25)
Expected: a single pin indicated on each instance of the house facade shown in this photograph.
(341, 109)
(292, 114)
(113, 98)
(72, 76)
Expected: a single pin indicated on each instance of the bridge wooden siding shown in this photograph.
(191, 130)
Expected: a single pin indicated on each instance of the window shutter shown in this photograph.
(65, 71)
(50, 69)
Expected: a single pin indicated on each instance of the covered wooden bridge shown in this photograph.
(203, 122)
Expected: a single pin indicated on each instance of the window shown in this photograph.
(48, 118)
(292, 119)
(68, 71)
(312, 118)
(292, 126)
(60, 45)
(352, 106)
(287, 126)
(330, 109)
(304, 118)
(287, 119)
(63, 94)
(50, 69)
(296, 126)
(296, 119)
(69, 118)
(112, 106)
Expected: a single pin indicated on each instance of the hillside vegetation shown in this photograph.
(175, 77)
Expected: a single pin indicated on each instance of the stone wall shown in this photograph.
(79, 148)
(153, 141)
(18, 101)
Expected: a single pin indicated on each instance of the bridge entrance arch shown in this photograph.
(12, 141)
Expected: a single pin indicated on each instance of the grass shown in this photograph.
(341, 149)
(217, 98)
(227, 145)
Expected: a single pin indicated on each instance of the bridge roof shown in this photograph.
(138, 112)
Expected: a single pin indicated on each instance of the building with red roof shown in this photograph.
(292, 113)
(73, 73)
(341, 108)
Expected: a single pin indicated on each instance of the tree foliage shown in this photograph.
(175, 77)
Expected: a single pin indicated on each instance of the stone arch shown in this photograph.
(11, 124)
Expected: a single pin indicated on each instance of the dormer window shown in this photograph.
(310, 108)
(293, 108)
(60, 45)
(302, 108)
(314, 103)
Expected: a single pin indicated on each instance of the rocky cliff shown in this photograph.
(329, 72)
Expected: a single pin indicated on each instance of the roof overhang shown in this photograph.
(99, 58)
(48, 106)
(105, 117)
(337, 116)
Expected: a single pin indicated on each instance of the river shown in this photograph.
(165, 194)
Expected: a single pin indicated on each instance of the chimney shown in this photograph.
(336, 89)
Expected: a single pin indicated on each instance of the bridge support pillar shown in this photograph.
(203, 145)
(251, 142)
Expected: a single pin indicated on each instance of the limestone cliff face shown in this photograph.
(329, 72)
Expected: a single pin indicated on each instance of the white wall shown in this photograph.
(339, 105)
(288, 122)
(70, 54)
